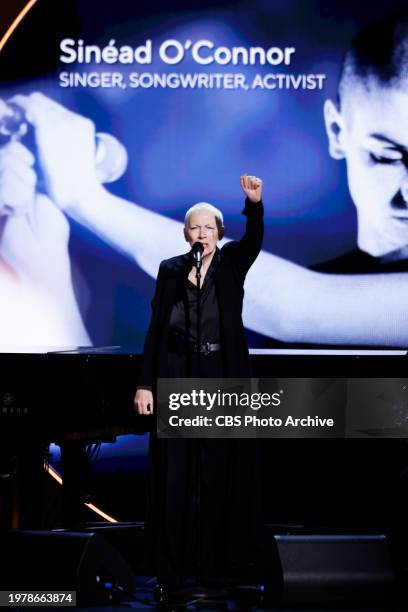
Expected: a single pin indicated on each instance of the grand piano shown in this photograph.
(73, 397)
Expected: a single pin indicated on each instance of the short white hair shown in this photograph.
(219, 218)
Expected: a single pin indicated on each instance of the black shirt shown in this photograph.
(183, 319)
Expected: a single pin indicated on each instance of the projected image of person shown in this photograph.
(179, 534)
(38, 307)
(368, 127)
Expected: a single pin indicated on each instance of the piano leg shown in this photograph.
(22, 485)
(8, 492)
(76, 472)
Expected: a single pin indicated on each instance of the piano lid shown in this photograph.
(91, 350)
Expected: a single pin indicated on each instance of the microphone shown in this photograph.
(197, 250)
(111, 158)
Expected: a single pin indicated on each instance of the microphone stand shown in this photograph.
(192, 592)
(199, 448)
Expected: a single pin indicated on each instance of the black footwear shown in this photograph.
(160, 593)
(247, 596)
(168, 592)
(164, 592)
(206, 591)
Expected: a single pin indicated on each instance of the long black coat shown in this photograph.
(233, 262)
(232, 513)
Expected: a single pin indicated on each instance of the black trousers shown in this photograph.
(204, 512)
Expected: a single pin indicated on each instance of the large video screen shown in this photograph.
(115, 118)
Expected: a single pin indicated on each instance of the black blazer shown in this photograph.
(232, 264)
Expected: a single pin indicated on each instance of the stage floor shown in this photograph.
(246, 600)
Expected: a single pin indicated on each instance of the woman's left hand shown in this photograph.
(252, 186)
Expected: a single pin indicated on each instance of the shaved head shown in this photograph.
(368, 127)
(377, 58)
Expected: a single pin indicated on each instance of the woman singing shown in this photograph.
(225, 531)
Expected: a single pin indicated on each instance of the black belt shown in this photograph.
(205, 347)
(177, 344)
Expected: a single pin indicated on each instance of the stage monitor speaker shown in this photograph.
(68, 561)
(335, 569)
